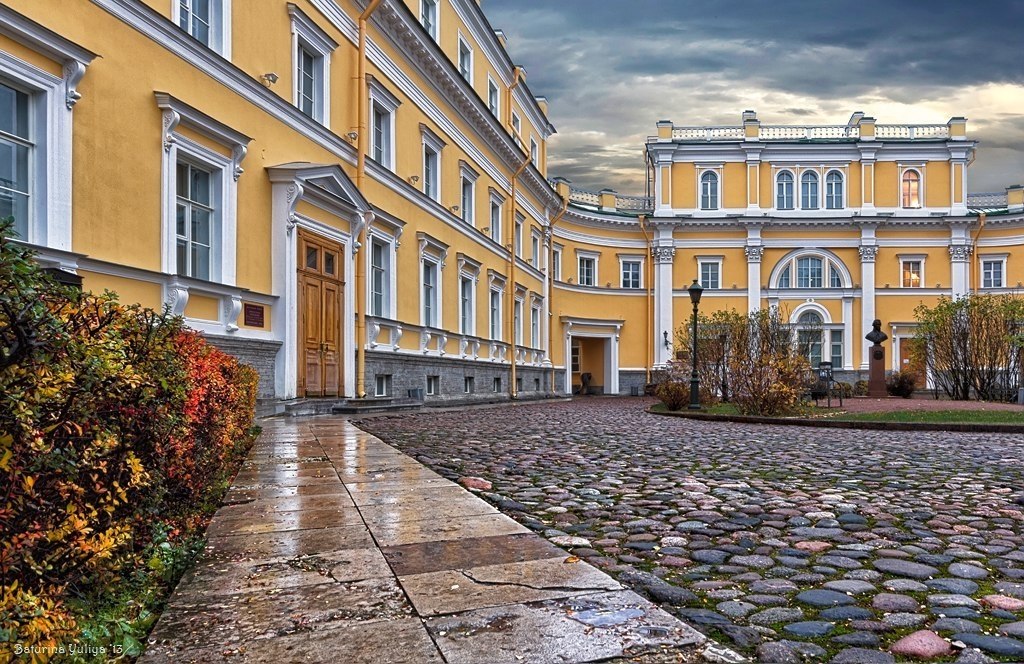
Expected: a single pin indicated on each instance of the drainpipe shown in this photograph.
(649, 274)
(551, 283)
(974, 254)
(361, 148)
(517, 75)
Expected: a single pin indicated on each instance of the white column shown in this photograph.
(612, 370)
(663, 258)
(867, 300)
(960, 257)
(847, 333)
(545, 305)
(753, 277)
(568, 359)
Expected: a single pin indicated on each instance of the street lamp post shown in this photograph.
(695, 291)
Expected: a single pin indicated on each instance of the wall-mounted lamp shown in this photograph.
(454, 208)
(668, 344)
(414, 179)
(352, 136)
(269, 78)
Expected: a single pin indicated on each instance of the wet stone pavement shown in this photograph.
(788, 544)
(333, 546)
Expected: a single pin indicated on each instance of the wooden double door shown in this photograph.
(321, 288)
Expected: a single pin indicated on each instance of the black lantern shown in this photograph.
(695, 290)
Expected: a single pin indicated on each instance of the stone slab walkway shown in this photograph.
(333, 546)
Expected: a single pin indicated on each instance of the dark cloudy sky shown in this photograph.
(612, 68)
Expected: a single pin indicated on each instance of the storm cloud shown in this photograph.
(610, 70)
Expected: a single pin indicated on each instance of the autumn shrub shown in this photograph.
(117, 427)
(674, 388)
(860, 388)
(767, 373)
(900, 384)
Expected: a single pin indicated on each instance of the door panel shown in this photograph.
(320, 316)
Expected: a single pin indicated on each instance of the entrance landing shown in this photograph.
(333, 546)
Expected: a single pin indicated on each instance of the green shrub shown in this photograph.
(900, 384)
(845, 389)
(117, 428)
(860, 388)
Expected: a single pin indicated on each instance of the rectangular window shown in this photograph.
(433, 385)
(380, 286)
(307, 82)
(556, 264)
(575, 359)
(194, 221)
(912, 274)
(809, 272)
(992, 273)
(381, 147)
(467, 206)
(836, 341)
(492, 97)
(465, 61)
(536, 384)
(534, 327)
(710, 274)
(495, 314)
(431, 163)
(382, 387)
(517, 124)
(429, 294)
(196, 17)
(535, 251)
(428, 17)
(496, 384)
(631, 274)
(518, 313)
(496, 221)
(466, 322)
(15, 151)
(587, 271)
(469, 384)
(534, 152)
(519, 238)
(519, 384)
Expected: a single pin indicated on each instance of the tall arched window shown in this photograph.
(784, 191)
(709, 191)
(809, 190)
(809, 336)
(810, 269)
(911, 189)
(834, 190)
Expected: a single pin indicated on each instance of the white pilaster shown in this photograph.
(867, 302)
(753, 277)
(960, 261)
(848, 333)
(663, 259)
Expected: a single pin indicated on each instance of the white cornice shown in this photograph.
(41, 39)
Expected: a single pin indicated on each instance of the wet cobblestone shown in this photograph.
(783, 542)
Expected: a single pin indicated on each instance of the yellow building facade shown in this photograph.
(353, 197)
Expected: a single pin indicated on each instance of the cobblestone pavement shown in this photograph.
(791, 544)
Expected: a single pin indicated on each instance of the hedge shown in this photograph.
(119, 430)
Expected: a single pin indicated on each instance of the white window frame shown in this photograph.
(225, 172)
(432, 144)
(919, 170)
(469, 272)
(493, 91)
(556, 262)
(469, 384)
(535, 313)
(434, 30)
(842, 190)
(467, 206)
(793, 184)
(433, 298)
(389, 294)
(911, 258)
(517, 238)
(433, 385)
(517, 313)
(220, 24)
(994, 259)
(496, 213)
(815, 192)
(582, 255)
(829, 263)
(308, 36)
(494, 313)
(709, 260)
(709, 197)
(52, 100)
(382, 385)
(534, 152)
(535, 245)
(517, 123)
(465, 48)
(382, 99)
(432, 252)
(631, 259)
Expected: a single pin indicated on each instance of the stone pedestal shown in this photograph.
(876, 371)
(876, 360)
